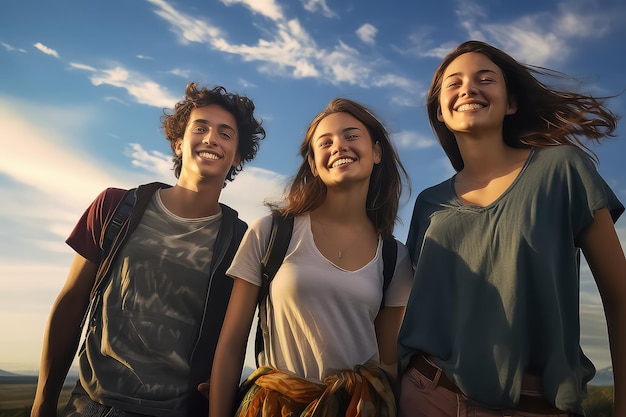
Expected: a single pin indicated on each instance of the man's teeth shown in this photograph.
(341, 162)
(467, 107)
(208, 155)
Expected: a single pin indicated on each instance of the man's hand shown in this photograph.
(203, 388)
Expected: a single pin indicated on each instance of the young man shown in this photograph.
(160, 295)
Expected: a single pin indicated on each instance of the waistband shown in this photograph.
(529, 403)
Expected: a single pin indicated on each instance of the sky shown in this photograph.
(83, 85)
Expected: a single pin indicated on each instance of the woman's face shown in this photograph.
(343, 150)
(474, 97)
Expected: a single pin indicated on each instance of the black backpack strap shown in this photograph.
(278, 243)
(111, 230)
(122, 211)
(390, 254)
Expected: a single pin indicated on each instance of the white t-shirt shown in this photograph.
(321, 318)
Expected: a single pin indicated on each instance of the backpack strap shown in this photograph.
(390, 254)
(122, 211)
(111, 230)
(280, 236)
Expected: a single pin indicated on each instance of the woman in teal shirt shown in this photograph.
(492, 324)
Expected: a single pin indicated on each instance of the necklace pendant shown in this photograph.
(339, 254)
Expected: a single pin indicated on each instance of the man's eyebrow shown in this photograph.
(221, 126)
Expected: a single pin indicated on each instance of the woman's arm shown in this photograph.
(605, 257)
(231, 348)
(387, 326)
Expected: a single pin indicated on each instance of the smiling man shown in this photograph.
(159, 294)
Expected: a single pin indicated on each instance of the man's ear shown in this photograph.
(236, 160)
(178, 147)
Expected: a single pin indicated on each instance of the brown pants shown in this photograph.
(423, 396)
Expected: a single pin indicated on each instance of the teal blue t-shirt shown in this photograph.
(496, 289)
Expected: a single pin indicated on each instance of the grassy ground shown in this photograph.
(16, 400)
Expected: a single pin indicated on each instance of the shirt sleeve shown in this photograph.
(247, 262)
(589, 191)
(86, 236)
(399, 288)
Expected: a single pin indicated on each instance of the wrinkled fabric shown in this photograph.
(364, 391)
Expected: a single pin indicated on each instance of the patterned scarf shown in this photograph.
(364, 391)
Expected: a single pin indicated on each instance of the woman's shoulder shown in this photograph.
(562, 153)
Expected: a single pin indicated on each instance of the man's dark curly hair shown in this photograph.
(242, 108)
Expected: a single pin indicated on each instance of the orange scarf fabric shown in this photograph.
(364, 391)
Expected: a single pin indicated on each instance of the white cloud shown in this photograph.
(267, 8)
(313, 6)
(143, 90)
(179, 72)
(10, 48)
(367, 33)
(149, 58)
(413, 140)
(83, 67)
(154, 162)
(189, 29)
(48, 51)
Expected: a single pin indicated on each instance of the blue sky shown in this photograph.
(83, 85)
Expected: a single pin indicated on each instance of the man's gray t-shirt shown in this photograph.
(139, 357)
(496, 290)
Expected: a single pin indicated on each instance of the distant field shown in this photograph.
(17, 399)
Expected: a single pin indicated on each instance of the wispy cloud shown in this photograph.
(179, 72)
(367, 33)
(267, 8)
(82, 67)
(413, 140)
(11, 48)
(313, 6)
(145, 57)
(142, 89)
(48, 51)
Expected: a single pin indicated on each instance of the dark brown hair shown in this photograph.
(544, 116)
(307, 191)
(242, 108)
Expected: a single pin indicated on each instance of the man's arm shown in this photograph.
(63, 335)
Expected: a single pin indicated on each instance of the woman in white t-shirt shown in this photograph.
(328, 350)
